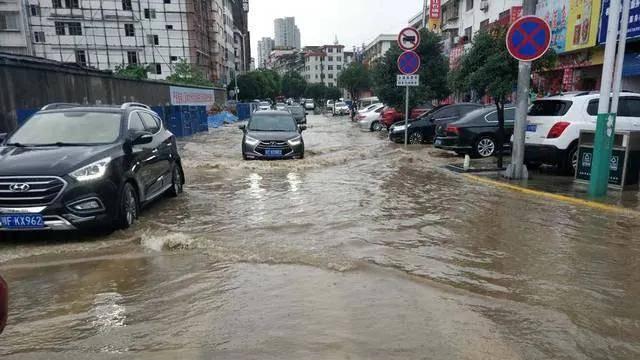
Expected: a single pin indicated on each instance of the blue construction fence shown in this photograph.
(181, 120)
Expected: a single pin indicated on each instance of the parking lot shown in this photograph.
(397, 256)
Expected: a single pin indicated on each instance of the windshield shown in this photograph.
(296, 110)
(69, 127)
(549, 108)
(272, 123)
(341, 104)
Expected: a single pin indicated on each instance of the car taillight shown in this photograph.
(453, 130)
(557, 129)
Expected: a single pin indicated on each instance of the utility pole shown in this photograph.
(611, 79)
(424, 14)
(517, 170)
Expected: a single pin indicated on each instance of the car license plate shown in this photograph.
(273, 152)
(438, 142)
(532, 127)
(22, 221)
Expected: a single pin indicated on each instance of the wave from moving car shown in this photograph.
(554, 124)
(476, 133)
(79, 167)
(4, 303)
(272, 135)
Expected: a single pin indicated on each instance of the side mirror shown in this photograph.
(141, 138)
(302, 127)
(242, 127)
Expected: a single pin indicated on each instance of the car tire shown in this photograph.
(415, 138)
(376, 126)
(484, 147)
(570, 160)
(128, 207)
(177, 181)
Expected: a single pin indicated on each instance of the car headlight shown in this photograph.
(295, 141)
(401, 127)
(251, 141)
(93, 171)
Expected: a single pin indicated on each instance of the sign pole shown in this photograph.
(605, 122)
(406, 117)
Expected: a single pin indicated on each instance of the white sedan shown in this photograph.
(371, 120)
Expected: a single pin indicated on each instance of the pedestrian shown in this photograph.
(354, 108)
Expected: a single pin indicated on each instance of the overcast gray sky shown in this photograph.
(319, 21)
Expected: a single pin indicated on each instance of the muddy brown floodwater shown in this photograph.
(362, 250)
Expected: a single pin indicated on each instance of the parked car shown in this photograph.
(371, 120)
(390, 116)
(341, 108)
(369, 108)
(264, 105)
(329, 105)
(423, 128)
(419, 110)
(272, 135)
(298, 114)
(554, 124)
(476, 133)
(309, 104)
(4, 303)
(281, 106)
(77, 167)
(364, 102)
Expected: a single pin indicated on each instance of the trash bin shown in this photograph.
(624, 166)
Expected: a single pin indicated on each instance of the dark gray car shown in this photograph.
(272, 135)
(298, 113)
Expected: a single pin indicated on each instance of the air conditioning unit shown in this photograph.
(456, 39)
(484, 5)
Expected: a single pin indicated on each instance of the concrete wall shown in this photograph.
(30, 83)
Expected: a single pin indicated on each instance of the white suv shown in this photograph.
(554, 124)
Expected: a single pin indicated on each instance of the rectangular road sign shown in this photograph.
(408, 80)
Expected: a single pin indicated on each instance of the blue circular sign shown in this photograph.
(528, 38)
(409, 62)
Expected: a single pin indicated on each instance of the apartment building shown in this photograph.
(265, 47)
(324, 64)
(13, 28)
(287, 34)
(379, 46)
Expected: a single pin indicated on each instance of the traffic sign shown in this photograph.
(528, 38)
(408, 62)
(409, 39)
(407, 80)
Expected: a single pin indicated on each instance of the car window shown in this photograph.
(629, 106)
(450, 111)
(592, 108)
(509, 115)
(550, 107)
(135, 122)
(272, 122)
(468, 108)
(150, 123)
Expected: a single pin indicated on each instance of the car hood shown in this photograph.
(273, 135)
(54, 160)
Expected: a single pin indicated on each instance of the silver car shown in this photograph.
(371, 120)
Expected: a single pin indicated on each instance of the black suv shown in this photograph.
(76, 167)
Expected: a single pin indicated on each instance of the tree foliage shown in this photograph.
(185, 73)
(316, 91)
(132, 71)
(354, 78)
(332, 93)
(293, 85)
(433, 74)
(259, 84)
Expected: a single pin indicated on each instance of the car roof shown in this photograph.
(272, 112)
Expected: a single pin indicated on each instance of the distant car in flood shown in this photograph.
(476, 133)
(299, 114)
(271, 135)
(4, 303)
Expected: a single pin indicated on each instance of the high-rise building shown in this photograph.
(265, 47)
(287, 34)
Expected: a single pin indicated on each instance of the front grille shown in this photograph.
(282, 145)
(29, 190)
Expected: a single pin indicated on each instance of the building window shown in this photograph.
(330, 50)
(35, 10)
(316, 67)
(468, 33)
(132, 57)
(60, 28)
(149, 13)
(174, 58)
(330, 58)
(504, 14)
(75, 28)
(339, 67)
(38, 36)
(167, 1)
(81, 57)
(72, 4)
(57, 4)
(9, 21)
(329, 67)
(330, 84)
(129, 30)
(469, 5)
(316, 76)
(330, 76)
(169, 27)
(126, 5)
(338, 58)
(484, 24)
(153, 39)
(157, 69)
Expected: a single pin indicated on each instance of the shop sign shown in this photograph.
(633, 30)
(574, 23)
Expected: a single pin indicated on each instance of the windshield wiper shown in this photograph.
(16, 144)
(60, 143)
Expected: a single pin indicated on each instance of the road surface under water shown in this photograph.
(361, 250)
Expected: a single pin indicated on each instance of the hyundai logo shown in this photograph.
(19, 187)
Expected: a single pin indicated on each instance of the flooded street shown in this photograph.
(361, 250)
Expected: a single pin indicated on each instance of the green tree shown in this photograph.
(433, 74)
(488, 69)
(132, 71)
(332, 93)
(293, 85)
(185, 73)
(316, 91)
(248, 85)
(354, 78)
(269, 83)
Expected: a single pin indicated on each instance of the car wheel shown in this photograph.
(376, 126)
(415, 138)
(569, 164)
(176, 181)
(129, 207)
(484, 147)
